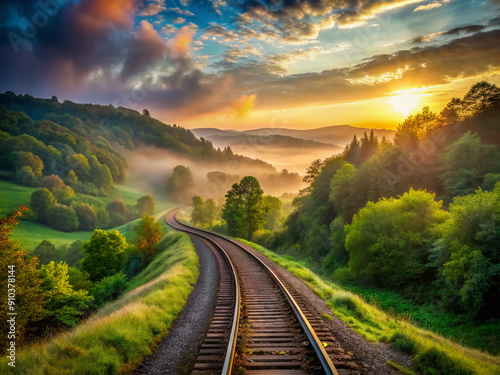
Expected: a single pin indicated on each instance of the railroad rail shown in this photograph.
(282, 336)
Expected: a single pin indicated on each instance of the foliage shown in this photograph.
(415, 127)
(466, 162)
(29, 301)
(244, 210)
(104, 254)
(180, 184)
(274, 213)
(46, 252)
(122, 333)
(109, 289)
(145, 205)
(86, 215)
(64, 304)
(197, 216)
(149, 233)
(389, 241)
(41, 201)
(470, 248)
(434, 361)
(118, 213)
(62, 218)
(79, 280)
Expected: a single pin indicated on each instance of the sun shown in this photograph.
(404, 103)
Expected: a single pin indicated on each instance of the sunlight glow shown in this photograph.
(404, 103)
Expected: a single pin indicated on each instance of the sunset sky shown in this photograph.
(249, 64)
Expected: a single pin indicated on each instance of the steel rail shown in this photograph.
(320, 351)
(231, 347)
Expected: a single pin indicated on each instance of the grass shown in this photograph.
(433, 353)
(120, 335)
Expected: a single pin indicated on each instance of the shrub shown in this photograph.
(436, 362)
(109, 288)
(404, 343)
(63, 218)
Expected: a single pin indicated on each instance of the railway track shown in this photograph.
(271, 324)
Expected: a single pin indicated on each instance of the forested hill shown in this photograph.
(44, 136)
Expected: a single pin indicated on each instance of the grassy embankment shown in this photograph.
(30, 233)
(432, 353)
(116, 338)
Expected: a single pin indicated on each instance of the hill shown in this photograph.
(338, 135)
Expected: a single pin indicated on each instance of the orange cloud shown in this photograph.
(95, 14)
(244, 104)
(182, 40)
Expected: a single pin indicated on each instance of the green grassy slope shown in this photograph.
(121, 334)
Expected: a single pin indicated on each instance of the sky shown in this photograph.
(251, 64)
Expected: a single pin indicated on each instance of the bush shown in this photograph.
(109, 288)
(436, 362)
(86, 216)
(63, 218)
(404, 343)
(263, 237)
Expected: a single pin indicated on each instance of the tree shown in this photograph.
(197, 216)
(41, 201)
(53, 183)
(86, 216)
(74, 254)
(389, 241)
(150, 233)
(145, 112)
(470, 253)
(209, 212)
(80, 165)
(72, 179)
(62, 218)
(244, 211)
(466, 162)
(145, 205)
(14, 261)
(180, 184)
(312, 172)
(64, 304)
(46, 251)
(23, 158)
(274, 212)
(415, 127)
(104, 254)
(118, 212)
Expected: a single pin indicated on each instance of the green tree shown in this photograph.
(80, 165)
(86, 216)
(41, 201)
(46, 251)
(197, 216)
(29, 298)
(104, 254)
(102, 218)
(415, 127)
(145, 205)
(466, 162)
(244, 210)
(23, 159)
(389, 241)
(149, 233)
(180, 184)
(64, 304)
(470, 252)
(118, 213)
(209, 212)
(72, 179)
(62, 218)
(74, 254)
(79, 280)
(274, 212)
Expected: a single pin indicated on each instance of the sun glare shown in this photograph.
(404, 103)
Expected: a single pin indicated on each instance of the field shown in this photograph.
(31, 233)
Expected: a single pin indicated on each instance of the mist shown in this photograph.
(149, 169)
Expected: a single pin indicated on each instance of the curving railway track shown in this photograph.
(260, 325)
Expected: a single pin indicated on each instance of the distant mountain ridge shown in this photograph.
(337, 135)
